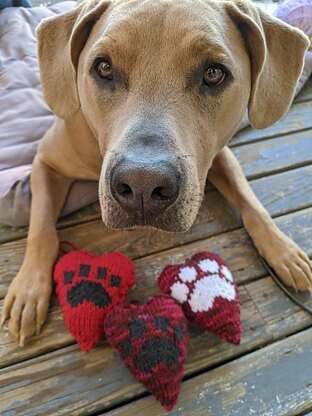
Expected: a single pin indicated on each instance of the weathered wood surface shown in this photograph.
(86, 214)
(280, 193)
(68, 381)
(279, 154)
(275, 381)
(298, 118)
(235, 247)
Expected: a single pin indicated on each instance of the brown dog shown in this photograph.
(148, 95)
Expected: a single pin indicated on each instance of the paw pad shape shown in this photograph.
(88, 287)
(205, 288)
(152, 341)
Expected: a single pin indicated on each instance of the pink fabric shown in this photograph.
(24, 115)
(296, 13)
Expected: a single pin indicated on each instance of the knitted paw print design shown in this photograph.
(88, 287)
(205, 288)
(151, 340)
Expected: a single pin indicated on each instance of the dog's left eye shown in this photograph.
(214, 75)
(104, 69)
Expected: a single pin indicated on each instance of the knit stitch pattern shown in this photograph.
(205, 288)
(88, 287)
(152, 341)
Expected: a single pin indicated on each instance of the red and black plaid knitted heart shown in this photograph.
(88, 287)
(151, 340)
(205, 288)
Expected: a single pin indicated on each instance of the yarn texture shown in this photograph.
(151, 339)
(205, 288)
(88, 287)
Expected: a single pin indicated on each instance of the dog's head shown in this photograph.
(163, 86)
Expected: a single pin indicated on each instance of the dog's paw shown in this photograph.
(26, 304)
(291, 264)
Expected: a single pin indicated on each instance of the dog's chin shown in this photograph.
(171, 221)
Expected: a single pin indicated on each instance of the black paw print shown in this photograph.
(158, 349)
(89, 286)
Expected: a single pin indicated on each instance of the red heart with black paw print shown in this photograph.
(205, 288)
(151, 340)
(88, 287)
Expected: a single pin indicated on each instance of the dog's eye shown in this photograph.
(104, 69)
(214, 75)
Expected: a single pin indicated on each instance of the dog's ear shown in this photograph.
(60, 42)
(276, 52)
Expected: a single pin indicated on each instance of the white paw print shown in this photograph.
(201, 294)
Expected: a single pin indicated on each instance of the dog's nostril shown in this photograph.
(162, 194)
(124, 190)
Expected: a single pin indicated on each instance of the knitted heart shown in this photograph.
(151, 340)
(88, 287)
(205, 288)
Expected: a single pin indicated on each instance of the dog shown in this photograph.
(147, 95)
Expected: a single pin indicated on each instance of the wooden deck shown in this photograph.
(269, 374)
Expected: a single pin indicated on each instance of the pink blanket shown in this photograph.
(24, 115)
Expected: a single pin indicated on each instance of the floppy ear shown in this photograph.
(276, 51)
(60, 42)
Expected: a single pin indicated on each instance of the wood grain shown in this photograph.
(298, 118)
(275, 381)
(279, 154)
(69, 381)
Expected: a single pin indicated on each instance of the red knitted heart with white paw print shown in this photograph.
(88, 287)
(205, 288)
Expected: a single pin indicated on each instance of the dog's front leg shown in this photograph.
(290, 263)
(27, 301)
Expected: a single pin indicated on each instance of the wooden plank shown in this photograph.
(285, 192)
(298, 118)
(275, 381)
(279, 154)
(69, 381)
(235, 247)
(84, 215)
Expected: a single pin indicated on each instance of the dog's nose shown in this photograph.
(144, 188)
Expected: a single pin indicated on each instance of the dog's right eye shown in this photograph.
(104, 69)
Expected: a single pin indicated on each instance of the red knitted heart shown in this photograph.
(151, 340)
(88, 286)
(205, 288)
